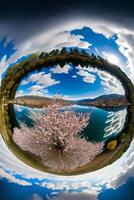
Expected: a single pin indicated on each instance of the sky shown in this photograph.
(103, 27)
(35, 192)
(71, 82)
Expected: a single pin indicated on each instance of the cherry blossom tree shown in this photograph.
(55, 139)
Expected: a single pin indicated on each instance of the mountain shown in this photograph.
(109, 101)
(102, 97)
(108, 97)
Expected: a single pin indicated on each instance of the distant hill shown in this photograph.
(111, 100)
(109, 97)
(107, 101)
(102, 97)
(37, 101)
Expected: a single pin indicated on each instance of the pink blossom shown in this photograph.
(55, 139)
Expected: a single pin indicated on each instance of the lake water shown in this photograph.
(102, 124)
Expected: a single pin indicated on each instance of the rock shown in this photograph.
(111, 145)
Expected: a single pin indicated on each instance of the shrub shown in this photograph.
(111, 145)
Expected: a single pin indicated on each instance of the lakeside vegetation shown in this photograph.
(15, 74)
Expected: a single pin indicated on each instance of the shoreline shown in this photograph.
(90, 105)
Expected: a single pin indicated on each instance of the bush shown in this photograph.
(111, 145)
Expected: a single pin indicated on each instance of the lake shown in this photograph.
(102, 124)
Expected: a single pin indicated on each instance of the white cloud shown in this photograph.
(38, 93)
(75, 196)
(18, 108)
(126, 47)
(87, 77)
(74, 76)
(41, 79)
(24, 82)
(19, 93)
(112, 58)
(35, 88)
(126, 168)
(31, 113)
(12, 179)
(60, 36)
(65, 39)
(47, 41)
(37, 197)
(32, 78)
(83, 73)
(46, 80)
(125, 41)
(59, 70)
(111, 84)
(115, 122)
(3, 66)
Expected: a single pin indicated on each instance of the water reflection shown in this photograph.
(115, 122)
(102, 125)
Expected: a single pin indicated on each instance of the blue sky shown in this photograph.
(76, 88)
(70, 85)
(100, 44)
(15, 191)
(6, 48)
(35, 192)
(123, 192)
(72, 82)
(66, 83)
